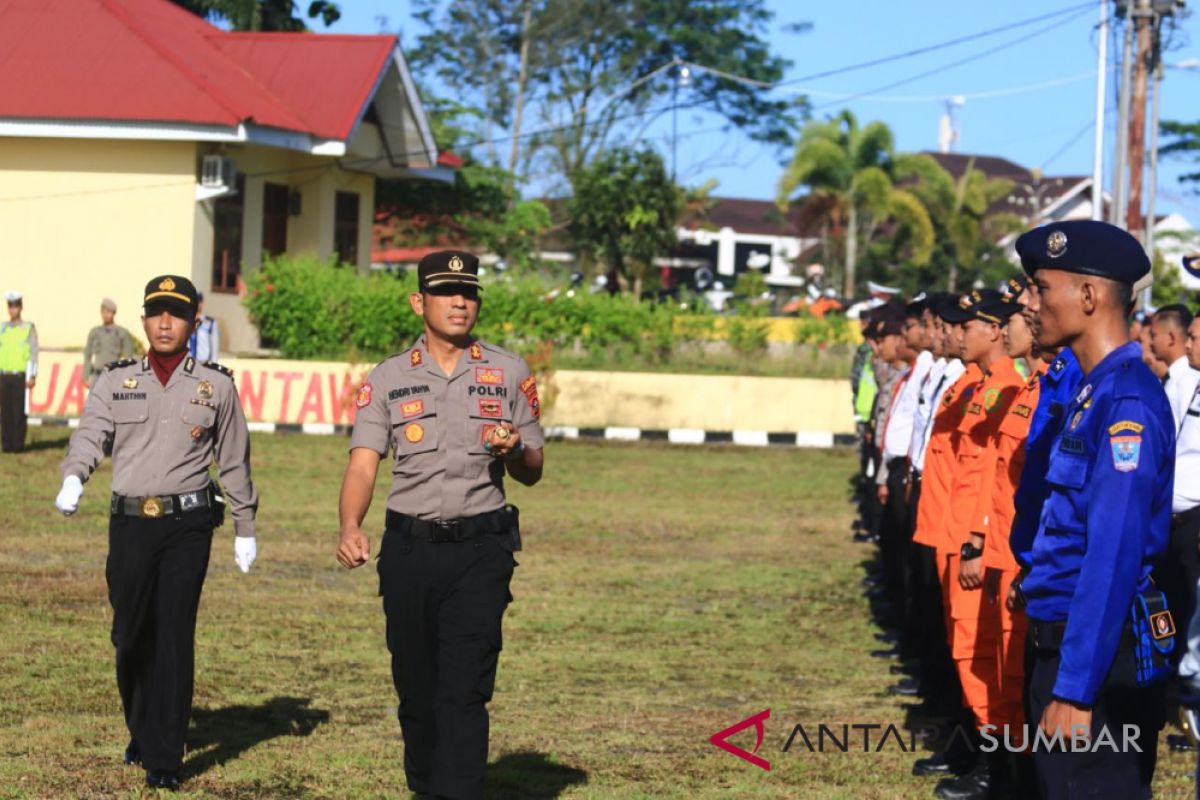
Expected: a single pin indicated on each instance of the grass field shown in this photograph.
(663, 594)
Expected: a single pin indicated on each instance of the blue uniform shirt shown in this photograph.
(1059, 383)
(1110, 478)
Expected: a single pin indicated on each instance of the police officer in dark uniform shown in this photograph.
(457, 415)
(1105, 519)
(166, 416)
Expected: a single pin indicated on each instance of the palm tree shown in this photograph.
(959, 207)
(848, 172)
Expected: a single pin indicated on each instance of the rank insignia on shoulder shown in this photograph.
(1126, 452)
(476, 352)
(1022, 410)
(363, 398)
(414, 358)
(1125, 425)
(1058, 366)
(124, 362)
(226, 371)
(129, 383)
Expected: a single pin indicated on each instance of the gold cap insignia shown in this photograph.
(964, 301)
(167, 285)
(1056, 244)
(456, 264)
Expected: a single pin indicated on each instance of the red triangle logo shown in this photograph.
(720, 739)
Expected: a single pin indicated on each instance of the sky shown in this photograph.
(1029, 92)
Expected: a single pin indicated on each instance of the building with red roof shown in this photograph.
(137, 139)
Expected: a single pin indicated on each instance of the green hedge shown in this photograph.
(308, 309)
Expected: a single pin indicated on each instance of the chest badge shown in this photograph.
(129, 383)
(197, 432)
(414, 433)
(1077, 419)
(204, 389)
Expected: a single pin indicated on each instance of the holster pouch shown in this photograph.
(217, 506)
(1154, 636)
(512, 518)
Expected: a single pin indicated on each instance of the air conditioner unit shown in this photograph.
(218, 178)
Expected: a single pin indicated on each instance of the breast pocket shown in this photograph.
(127, 413)
(485, 414)
(414, 426)
(198, 421)
(1067, 475)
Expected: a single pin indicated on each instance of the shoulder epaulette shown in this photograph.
(223, 370)
(124, 362)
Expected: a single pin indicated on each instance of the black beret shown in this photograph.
(447, 267)
(1015, 285)
(1085, 246)
(173, 293)
(999, 309)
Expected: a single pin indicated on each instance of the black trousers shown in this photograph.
(1179, 569)
(893, 539)
(155, 573)
(13, 422)
(444, 602)
(1120, 702)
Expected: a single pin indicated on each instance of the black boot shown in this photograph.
(133, 753)
(975, 785)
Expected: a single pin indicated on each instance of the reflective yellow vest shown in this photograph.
(14, 346)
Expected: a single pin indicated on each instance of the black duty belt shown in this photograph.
(158, 505)
(1049, 635)
(450, 530)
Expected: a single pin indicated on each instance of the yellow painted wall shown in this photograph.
(81, 219)
(274, 390)
(657, 401)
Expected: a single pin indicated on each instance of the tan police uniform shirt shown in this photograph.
(105, 344)
(164, 437)
(435, 426)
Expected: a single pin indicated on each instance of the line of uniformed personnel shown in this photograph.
(1025, 460)
(456, 416)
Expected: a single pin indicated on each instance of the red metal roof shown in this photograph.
(151, 61)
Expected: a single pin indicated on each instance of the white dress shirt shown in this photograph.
(1180, 385)
(1187, 458)
(897, 439)
(937, 385)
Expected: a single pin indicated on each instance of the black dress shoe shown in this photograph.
(936, 764)
(975, 785)
(887, 637)
(904, 669)
(890, 652)
(905, 687)
(162, 779)
(133, 753)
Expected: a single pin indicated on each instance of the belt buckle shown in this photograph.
(152, 507)
(189, 501)
(447, 530)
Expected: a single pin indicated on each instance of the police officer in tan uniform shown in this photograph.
(457, 415)
(166, 415)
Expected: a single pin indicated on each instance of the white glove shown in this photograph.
(245, 550)
(68, 497)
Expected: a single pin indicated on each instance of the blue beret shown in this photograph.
(1084, 246)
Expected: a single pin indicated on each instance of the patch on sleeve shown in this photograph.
(1125, 425)
(364, 396)
(1126, 452)
(528, 388)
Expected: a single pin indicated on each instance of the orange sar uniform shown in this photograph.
(994, 518)
(975, 630)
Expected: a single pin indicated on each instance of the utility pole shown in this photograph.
(1116, 213)
(1143, 18)
(1098, 144)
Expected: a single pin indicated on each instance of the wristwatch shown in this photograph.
(515, 453)
(970, 552)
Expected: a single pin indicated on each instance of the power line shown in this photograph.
(940, 46)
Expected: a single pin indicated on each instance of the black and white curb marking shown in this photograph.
(745, 438)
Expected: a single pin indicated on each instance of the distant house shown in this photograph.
(737, 234)
(136, 139)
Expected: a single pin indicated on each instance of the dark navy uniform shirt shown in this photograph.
(1058, 387)
(1110, 475)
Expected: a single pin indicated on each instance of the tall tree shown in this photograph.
(1185, 142)
(595, 69)
(848, 172)
(262, 15)
(624, 212)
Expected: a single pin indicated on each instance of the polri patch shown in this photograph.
(492, 376)
(1126, 452)
(1125, 425)
(364, 396)
(413, 408)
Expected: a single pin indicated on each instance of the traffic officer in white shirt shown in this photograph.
(1180, 567)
